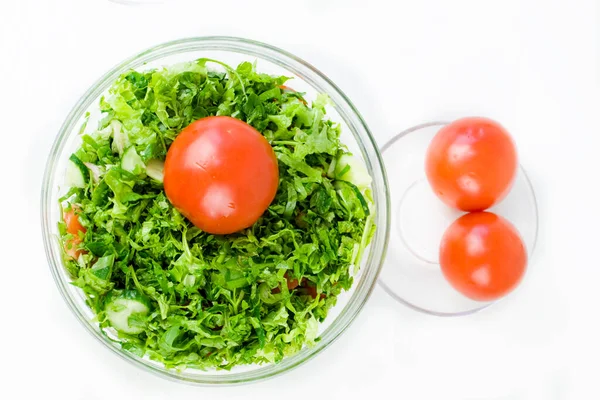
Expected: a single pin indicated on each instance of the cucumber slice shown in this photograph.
(121, 306)
(331, 169)
(132, 162)
(155, 169)
(352, 169)
(77, 173)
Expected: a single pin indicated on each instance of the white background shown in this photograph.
(533, 65)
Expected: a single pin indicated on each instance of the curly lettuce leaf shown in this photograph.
(217, 301)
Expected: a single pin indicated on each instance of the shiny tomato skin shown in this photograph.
(483, 256)
(73, 227)
(221, 174)
(471, 163)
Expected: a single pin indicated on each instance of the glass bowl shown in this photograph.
(306, 78)
(411, 273)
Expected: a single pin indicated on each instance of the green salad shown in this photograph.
(166, 290)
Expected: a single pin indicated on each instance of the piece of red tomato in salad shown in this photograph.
(74, 228)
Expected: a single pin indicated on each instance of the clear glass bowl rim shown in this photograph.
(372, 156)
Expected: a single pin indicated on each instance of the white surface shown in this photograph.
(533, 65)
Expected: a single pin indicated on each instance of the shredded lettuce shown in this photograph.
(216, 301)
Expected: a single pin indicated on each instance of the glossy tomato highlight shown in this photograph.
(483, 256)
(221, 173)
(471, 163)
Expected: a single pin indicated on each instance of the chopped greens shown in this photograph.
(186, 298)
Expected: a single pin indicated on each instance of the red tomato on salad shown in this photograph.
(483, 256)
(471, 163)
(73, 227)
(221, 174)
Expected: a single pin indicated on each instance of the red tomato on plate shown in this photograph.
(471, 163)
(221, 174)
(483, 256)
(73, 227)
